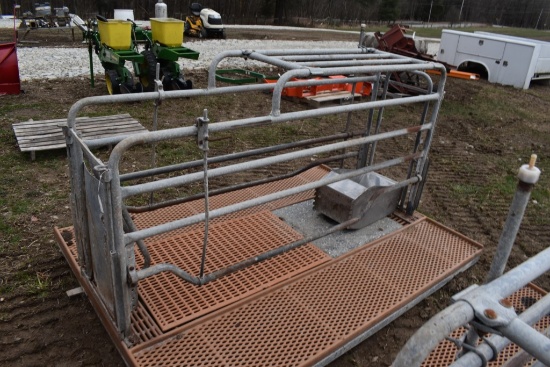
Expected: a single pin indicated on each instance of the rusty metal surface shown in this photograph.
(305, 319)
(445, 353)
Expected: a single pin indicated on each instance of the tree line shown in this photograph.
(515, 13)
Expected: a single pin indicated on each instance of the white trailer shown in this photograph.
(507, 60)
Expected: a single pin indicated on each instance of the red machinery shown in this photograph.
(9, 70)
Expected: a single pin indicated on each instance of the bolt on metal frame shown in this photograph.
(104, 233)
(486, 306)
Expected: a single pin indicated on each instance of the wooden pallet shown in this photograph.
(33, 136)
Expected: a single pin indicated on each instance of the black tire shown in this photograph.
(127, 86)
(180, 84)
(138, 88)
(148, 70)
(112, 82)
(186, 28)
(203, 33)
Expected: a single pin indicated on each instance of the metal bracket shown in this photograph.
(104, 173)
(202, 133)
(489, 311)
(159, 88)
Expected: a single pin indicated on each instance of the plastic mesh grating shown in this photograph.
(445, 353)
(143, 326)
(309, 317)
(172, 301)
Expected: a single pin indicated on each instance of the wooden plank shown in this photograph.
(35, 136)
(341, 97)
(85, 133)
(325, 98)
(43, 122)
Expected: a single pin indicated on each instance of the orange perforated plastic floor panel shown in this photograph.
(299, 308)
(445, 353)
(304, 320)
(173, 302)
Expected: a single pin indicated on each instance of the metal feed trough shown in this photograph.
(249, 273)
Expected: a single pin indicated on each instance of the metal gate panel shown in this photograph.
(100, 249)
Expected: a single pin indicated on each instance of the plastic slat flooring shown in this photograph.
(173, 302)
(445, 353)
(305, 319)
(277, 312)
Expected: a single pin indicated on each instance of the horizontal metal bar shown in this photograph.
(142, 274)
(167, 227)
(308, 73)
(301, 58)
(94, 143)
(148, 187)
(157, 136)
(228, 157)
(334, 63)
(244, 185)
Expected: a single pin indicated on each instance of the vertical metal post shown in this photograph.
(528, 176)
(202, 141)
(90, 55)
(15, 7)
(157, 103)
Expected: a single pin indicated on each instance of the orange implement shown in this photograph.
(457, 74)
(301, 92)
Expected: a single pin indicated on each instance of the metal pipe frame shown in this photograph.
(121, 255)
(529, 317)
(244, 185)
(170, 226)
(487, 303)
(474, 304)
(229, 157)
(205, 279)
(148, 187)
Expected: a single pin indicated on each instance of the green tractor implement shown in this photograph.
(117, 42)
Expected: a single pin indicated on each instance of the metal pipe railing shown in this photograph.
(121, 260)
(529, 316)
(128, 191)
(484, 302)
(244, 185)
(205, 279)
(167, 227)
(230, 157)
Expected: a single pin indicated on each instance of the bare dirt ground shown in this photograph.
(485, 132)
